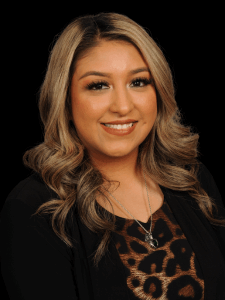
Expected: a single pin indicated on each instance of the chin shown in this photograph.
(119, 152)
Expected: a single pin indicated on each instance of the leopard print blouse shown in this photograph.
(171, 271)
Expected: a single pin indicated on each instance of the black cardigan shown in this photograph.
(36, 264)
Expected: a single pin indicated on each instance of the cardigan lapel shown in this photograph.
(202, 239)
(82, 279)
(108, 281)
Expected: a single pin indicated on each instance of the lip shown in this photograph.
(120, 132)
(121, 121)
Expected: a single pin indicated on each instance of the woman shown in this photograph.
(118, 205)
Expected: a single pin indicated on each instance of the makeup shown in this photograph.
(119, 132)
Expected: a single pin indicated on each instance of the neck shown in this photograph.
(123, 169)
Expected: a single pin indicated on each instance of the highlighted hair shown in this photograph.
(168, 154)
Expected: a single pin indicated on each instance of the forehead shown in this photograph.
(111, 54)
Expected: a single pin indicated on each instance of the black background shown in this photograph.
(190, 36)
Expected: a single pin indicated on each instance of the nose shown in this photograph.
(121, 101)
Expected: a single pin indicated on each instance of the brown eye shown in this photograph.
(99, 85)
(141, 82)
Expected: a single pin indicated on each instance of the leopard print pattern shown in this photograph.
(171, 271)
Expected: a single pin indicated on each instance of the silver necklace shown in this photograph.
(148, 236)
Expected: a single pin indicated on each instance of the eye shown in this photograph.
(102, 85)
(141, 82)
(97, 85)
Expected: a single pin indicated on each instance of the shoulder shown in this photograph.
(204, 175)
(208, 183)
(32, 191)
(24, 200)
(21, 230)
(206, 179)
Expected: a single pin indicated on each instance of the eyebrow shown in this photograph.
(96, 73)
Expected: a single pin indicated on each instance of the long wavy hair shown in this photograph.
(168, 154)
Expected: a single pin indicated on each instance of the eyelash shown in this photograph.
(94, 84)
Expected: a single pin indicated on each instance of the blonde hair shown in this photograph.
(168, 154)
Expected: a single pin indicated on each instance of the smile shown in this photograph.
(119, 126)
(119, 129)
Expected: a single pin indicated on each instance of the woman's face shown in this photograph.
(112, 83)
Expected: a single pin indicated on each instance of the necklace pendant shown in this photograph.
(152, 242)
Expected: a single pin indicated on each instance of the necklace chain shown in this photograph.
(133, 216)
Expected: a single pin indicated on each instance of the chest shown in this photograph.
(134, 201)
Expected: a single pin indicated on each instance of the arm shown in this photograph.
(35, 263)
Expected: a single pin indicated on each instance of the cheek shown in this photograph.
(148, 106)
(86, 110)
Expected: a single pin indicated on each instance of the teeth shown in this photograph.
(119, 126)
